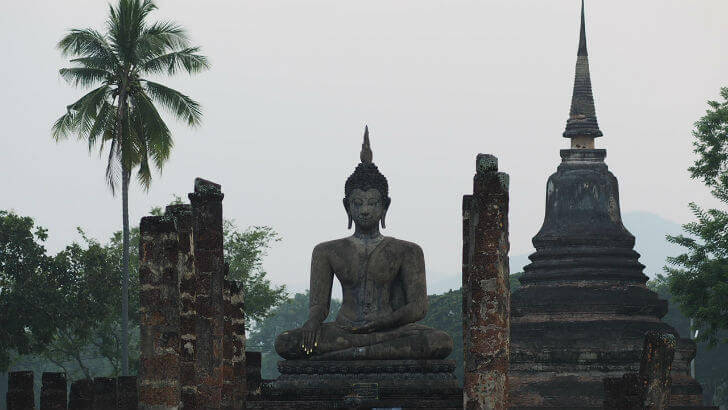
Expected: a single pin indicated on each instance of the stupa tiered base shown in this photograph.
(362, 384)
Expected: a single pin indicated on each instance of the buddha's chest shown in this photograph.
(366, 267)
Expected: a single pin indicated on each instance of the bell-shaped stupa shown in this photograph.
(583, 308)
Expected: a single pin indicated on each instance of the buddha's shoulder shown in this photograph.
(332, 245)
(403, 246)
(390, 242)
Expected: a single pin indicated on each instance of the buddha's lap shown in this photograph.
(333, 337)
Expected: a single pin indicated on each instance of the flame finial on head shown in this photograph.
(366, 155)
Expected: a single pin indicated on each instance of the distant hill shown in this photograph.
(649, 230)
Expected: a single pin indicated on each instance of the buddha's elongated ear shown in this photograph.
(346, 207)
(384, 216)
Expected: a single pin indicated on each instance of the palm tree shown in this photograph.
(120, 110)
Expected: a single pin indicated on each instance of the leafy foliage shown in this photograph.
(46, 301)
(28, 301)
(698, 278)
(445, 312)
(710, 361)
(244, 252)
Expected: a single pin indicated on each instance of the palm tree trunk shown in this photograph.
(125, 273)
(125, 174)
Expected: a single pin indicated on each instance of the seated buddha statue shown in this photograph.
(383, 287)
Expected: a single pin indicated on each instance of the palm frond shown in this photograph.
(144, 174)
(155, 132)
(180, 105)
(83, 76)
(88, 43)
(160, 38)
(97, 62)
(175, 61)
(80, 115)
(113, 167)
(126, 24)
(104, 124)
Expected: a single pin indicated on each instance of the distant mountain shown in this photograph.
(649, 230)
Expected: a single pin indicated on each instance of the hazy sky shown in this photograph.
(293, 83)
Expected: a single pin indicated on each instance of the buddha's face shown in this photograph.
(366, 207)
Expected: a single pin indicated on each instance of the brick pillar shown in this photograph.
(128, 396)
(159, 314)
(82, 395)
(182, 215)
(227, 346)
(104, 393)
(53, 391)
(486, 289)
(237, 315)
(657, 355)
(233, 345)
(208, 250)
(253, 378)
(20, 394)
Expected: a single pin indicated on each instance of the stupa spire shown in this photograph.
(582, 126)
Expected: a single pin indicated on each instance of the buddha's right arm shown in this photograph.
(322, 279)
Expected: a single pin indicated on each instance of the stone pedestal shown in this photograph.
(411, 384)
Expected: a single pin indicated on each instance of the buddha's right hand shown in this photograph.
(310, 335)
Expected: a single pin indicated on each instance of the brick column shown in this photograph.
(234, 383)
(253, 378)
(104, 393)
(82, 395)
(159, 370)
(486, 289)
(53, 391)
(208, 250)
(657, 355)
(227, 346)
(20, 394)
(182, 215)
(128, 395)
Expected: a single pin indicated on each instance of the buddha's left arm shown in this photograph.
(415, 289)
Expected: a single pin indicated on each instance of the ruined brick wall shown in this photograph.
(208, 254)
(486, 293)
(159, 314)
(182, 216)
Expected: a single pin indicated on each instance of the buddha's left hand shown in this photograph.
(374, 323)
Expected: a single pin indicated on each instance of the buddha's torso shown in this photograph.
(368, 270)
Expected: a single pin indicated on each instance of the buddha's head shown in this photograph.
(366, 193)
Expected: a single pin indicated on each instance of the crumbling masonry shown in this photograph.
(192, 320)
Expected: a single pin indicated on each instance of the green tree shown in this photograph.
(710, 370)
(120, 111)
(244, 252)
(29, 303)
(698, 278)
